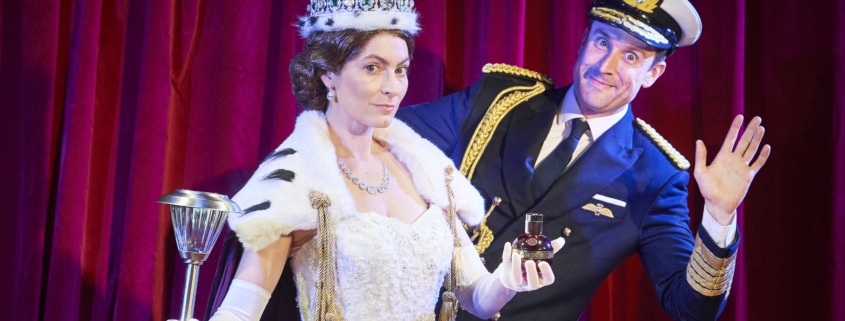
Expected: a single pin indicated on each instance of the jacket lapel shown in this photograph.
(608, 158)
(527, 129)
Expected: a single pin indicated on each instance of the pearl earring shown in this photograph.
(331, 94)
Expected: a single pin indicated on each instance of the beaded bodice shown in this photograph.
(386, 269)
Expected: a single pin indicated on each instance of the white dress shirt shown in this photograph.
(561, 127)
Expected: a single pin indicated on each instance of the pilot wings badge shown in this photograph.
(598, 209)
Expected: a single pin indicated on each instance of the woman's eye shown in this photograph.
(371, 68)
(402, 71)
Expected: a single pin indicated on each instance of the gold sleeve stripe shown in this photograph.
(679, 160)
(516, 71)
(712, 282)
(708, 274)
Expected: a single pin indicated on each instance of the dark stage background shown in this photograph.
(106, 105)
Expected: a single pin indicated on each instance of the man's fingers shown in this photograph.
(747, 139)
(754, 144)
(700, 158)
(761, 160)
(730, 138)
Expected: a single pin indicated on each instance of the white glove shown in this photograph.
(244, 301)
(488, 293)
(509, 271)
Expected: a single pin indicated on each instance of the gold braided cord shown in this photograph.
(630, 22)
(450, 305)
(482, 235)
(505, 101)
(516, 71)
(327, 308)
(673, 154)
(503, 104)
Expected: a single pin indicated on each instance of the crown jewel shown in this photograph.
(365, 15)
(320, 7)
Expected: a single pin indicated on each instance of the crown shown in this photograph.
(365, 15)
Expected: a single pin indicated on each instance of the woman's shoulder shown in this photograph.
(276, 199)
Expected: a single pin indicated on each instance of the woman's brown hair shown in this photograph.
(329, 51)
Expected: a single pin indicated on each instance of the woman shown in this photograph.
(366, 209)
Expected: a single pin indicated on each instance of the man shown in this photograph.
(616, 187)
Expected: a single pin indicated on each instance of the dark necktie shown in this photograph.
(553, 165)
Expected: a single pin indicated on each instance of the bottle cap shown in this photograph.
(534, 217)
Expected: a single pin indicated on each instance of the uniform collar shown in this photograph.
(598, 125)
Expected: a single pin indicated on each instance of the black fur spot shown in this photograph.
(257, 207)
(329, 22)
(281, 174)
(281, 153)
(300, 23)
(312, 20)
(394, 21)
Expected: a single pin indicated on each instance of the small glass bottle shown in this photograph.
(533, 245)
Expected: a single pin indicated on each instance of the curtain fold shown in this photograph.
(838, 201)
(108, 105)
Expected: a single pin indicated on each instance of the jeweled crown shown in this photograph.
(333, 15)
(320, 7)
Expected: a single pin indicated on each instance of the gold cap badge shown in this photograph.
(643, 5)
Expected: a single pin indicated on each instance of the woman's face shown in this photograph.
(370, 87)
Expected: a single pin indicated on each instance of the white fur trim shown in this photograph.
(290, 207)
(364, 21)
(427, 165)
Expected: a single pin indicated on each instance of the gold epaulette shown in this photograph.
(679, 160)
(516, 71)
(708, 274)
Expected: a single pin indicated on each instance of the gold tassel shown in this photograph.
(448, 307)
(457, 269)
(327, 308)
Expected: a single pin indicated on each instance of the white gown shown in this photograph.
(387, 269)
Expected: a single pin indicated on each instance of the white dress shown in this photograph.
(387, 269)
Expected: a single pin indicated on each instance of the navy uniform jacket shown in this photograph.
(626, 164)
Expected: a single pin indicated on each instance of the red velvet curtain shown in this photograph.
(107, 105)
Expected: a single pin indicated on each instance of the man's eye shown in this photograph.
(631, 57)
(602, 43)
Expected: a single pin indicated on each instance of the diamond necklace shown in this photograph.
(372, 189)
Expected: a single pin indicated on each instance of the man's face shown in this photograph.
(612, 66)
